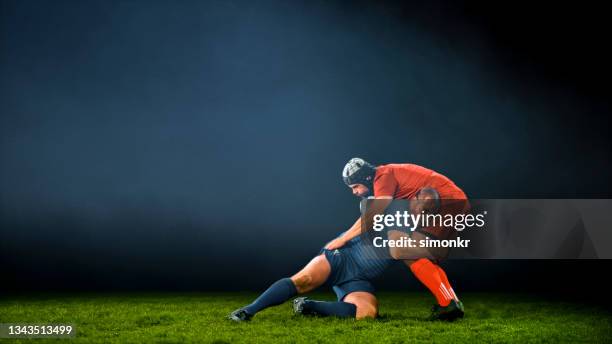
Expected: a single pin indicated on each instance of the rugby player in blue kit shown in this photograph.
(349, 270)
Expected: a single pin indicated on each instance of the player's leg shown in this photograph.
(409, 253)
(429, 273)
(310, 277)
(355, 300)
(366, 304)
(358, 304)
(434, 278)
(313, 275)
(421, 262)
(448, 306)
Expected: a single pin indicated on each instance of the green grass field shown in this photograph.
(201, 318)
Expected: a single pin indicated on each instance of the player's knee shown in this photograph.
(365, 303)
(302, 282)
(403, 253)
(409, 262)
(395, 253)
(366, 310)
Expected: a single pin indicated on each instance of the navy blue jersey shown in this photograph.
(370, 261)
(357, 260)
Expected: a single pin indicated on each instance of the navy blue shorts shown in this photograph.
(345, 276)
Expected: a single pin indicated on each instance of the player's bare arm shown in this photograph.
(356, 229)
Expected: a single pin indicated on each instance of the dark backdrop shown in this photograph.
(198, 145)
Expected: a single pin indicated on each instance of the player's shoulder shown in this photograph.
(390, 168)
(383, 170)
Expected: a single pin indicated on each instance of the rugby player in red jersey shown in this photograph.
(411, 182)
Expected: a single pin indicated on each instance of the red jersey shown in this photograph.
(403, 181)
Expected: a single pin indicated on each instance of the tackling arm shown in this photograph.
(376, 207)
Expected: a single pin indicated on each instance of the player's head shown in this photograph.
(428, 199)
(358, 174)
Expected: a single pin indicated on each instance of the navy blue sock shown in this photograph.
(279, 292)
(324, 308)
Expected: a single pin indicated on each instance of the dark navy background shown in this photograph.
(198, 145)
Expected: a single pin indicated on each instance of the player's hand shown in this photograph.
(336, 243)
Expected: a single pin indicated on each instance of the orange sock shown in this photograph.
(447, 283)
(434, 278)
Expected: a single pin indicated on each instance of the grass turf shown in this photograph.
(197, 318)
